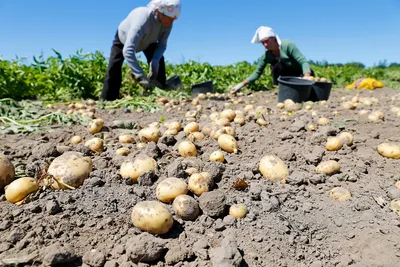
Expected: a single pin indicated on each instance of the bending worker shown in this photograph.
(284, 57)
(145, 29)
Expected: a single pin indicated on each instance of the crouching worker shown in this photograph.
(145, 29)
(284, 57)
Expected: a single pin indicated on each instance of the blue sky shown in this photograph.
(214, 31)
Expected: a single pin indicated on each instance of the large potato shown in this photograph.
(71, 168)
(168, 189)
(187, 149)
(200, 183)
(152, 216)
(7, 171)
(186, 207)
(273, 168)
(149, 134)
(329, 167)
(19, 189)
(141, 164)
(389, 150)
(228, 143)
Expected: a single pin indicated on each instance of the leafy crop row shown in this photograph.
(80, 76)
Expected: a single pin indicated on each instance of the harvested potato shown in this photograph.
(389, 150)
(96, 126)
(152, 216)
(339, 194)
(76, 140)
(170, 132)
(329, 167)
(95, 144)
(238, 211)
(7, 171)
(280, 105)
(214, 116)
(334, 143)
(222, 122)
(229, 130)
(200, 183)
(168, 189)
(376, 116)
(310, 127)
(141, 145)
(228, 114)
(347, 138)
(228, 143)
(201, 96)
(217, 156)
(273, 168)
(20, 188)
(294, 107)
(349, 105)
(397, 185)
(187, 149)
(123, 151)
(141, 164)
(191, 127)
(70, 170)
(395, 206)
(191, 114)
(323, 121)
(126, 139)
(308, 107)
(262, 122)
(175, 125)
(195, 136)
(149, 134)
(363, 112)
(186, 207)
(239, 120)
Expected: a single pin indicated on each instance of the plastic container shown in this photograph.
(294, 88)
(173, 83)
(204, 87)
(320, 91)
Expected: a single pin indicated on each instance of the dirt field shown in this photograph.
(295, 224)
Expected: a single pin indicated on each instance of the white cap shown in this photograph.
(170, 8)
(265, 32)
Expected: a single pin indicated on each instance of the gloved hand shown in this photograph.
(144, 82)
(238, 86)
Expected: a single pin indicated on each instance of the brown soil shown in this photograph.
(292, 224)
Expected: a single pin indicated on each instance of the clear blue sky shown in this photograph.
(214, 31)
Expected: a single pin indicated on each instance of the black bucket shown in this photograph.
(320, 91)
(204, 87)
(294, 88)
(173, 83)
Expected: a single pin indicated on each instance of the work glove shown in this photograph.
(238, 87)
(144, 82)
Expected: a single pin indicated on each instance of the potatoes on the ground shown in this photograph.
(186, 207)
(126, 139)
(140, 165)
(187, 149)
(174, 125)
(71, 169)
(200, 183)
(339, 194)
(76, 140)
(96, 126)
(20, 188)
(334, 143)
(347, 138)
(228, 143)
(376, 116)
(195, 136)
(238, 211)
(323, 121)
(152, 216)
(191, 127)
(167, 190)
(223, 122)
(7, 171)
(217, 156)
(273, 168)
(349, 105)
(95, 144)
(395, 206)
(389, 150)
(329, 167)
(214, 116)
(149, 134)
(123, 151)
(363, 112)
(228, 114)
(280, 105)
(239, 120)
(310, 127)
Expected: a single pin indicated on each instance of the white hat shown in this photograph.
(170, 8)
(265, 32)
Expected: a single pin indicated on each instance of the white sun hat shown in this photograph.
(265, 32)
(170, 8)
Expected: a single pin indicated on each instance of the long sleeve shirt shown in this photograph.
(290, 56)
(137, 31)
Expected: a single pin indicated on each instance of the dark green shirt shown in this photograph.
(290, 57)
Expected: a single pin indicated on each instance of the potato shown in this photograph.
(294, 107)
(141, 145)
(200, 183)
(228, 143)
(349, 105)
(389, 150)
(347, 138)
(170, 132)
(323, 121)
(273, 168)
(310, 127)
(191, 128)
(280, 105)
(187, 149)
(149, 134)
(308, 107)
(223, 122)
(334, 143)
(95, 144)
(7, 171)
(191, 114)
(329, 167)
(262, 122)
(201, 96)
(20, 189)
(152, 216)
(239, 120)
(76, 140)
(363, 112)
(168, 189)
(339, 194)
(126, 139)
(96, 126)
(141, 164)
(214, 116)
(175, 125)
(186, 207)
(217, 156)
(395, 206)
(191, 171)
(376, 116)
(238, 211)
(228, 114)
(123, 151)
(196, 136)
(71, 169)
(288, 102)
(155, 124)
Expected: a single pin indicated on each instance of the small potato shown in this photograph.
(349, 105)
(347, 138)
(7, 171)
(201, 96)
(334, 143)
(329, 167)
(152, 216)
(141, 164)
(170, 132)
(308, 107)
(95, 144)
(239, 120)
(223, 122)
(168, 189)
(214, 116)
(187, 149)
(149, 134)
(123, 151)
(20, 189)
(196, 136)
(76, 140)
(262, 122)
(280, 105)
(200, 183)
(395, 206)
(376, 116)
(175, 125)
(71, 168)
(363, 112)
(191, 114)
(228, 114)
(273, 168)
(96, 126)
(389, 150)
(126, 139)
(339, 194)
(238, 211)
(310, 127)
(191, 127)
(323, 121)
(217, 156)
(186, 207)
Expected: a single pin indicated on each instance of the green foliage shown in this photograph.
(81, 76)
